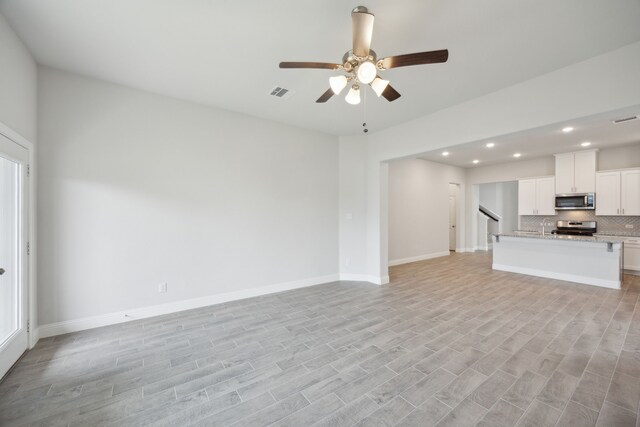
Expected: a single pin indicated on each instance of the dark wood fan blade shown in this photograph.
(419, 58)
(362, 22)
(319, 65)
(390, 93)
(325, 96)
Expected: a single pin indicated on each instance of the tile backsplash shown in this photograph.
(606, 224)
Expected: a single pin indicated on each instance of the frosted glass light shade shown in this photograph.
(379, 85)
(353, 97)
(367, 72)
(337, 83)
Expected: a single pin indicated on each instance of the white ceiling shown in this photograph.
(546, 141)
(225, 53)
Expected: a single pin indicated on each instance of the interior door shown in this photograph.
(13, 253)
(452, 223)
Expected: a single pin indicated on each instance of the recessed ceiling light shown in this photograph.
(475, 162)
(491, 144)
(516, 155)
(445, 153)
(586, 144)
(567, 129)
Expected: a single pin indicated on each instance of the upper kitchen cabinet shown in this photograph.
(618, 192)
(536, 196)
(576, 172)
(630, 191)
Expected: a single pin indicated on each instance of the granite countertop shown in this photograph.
(549, 236)
(618, 234)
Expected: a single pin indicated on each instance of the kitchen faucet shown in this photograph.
(544, 222)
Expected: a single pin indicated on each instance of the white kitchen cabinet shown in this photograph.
(632, 253)
(527, 197)
(536, 196)
(630, 192)
(576, 172)
(564, 173)
(618, 192)
(608, 193)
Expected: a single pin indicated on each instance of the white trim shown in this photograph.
(376, 280)
(32, 261)
(417, 258)
(462, 250)
(172, 307)
(34, 336)
(559, 276)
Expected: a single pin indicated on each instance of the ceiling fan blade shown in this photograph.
(325, 96)
(362, 22)
(419, 58)
(390, 93)
(319, 65)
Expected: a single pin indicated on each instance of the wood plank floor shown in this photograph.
(448, 343)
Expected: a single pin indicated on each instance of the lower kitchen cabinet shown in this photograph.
(632, 254)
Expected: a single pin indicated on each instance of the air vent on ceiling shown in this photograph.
(625, 119)
(281, 92)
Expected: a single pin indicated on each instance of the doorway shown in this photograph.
(453, 217)
(14, 226)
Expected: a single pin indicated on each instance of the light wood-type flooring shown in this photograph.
(448, 342)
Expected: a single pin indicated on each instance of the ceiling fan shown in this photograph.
(361, 64)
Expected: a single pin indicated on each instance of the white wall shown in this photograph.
(502, 198)
(18, 83)
(138, 189)
(626, 156)
(509, 205)
(512, 171)
(352, 210)
(419, 208)
(605, 83)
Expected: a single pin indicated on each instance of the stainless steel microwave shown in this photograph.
(575, 201)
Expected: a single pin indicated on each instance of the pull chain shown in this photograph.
(364, 118)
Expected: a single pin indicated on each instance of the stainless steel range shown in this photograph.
(575, 228)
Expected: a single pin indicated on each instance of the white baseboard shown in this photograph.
(417, 258)
(75, 325)
(364, 278)
(34, 336)
(461, 250)
(559, 276)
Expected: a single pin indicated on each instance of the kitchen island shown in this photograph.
(594, 260)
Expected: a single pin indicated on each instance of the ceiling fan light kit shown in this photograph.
(379, 85)
(338, 83)
(366, 72)
(353, 97)
(361, 64)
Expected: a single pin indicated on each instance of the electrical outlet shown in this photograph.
(162, 287)
(628, 226)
